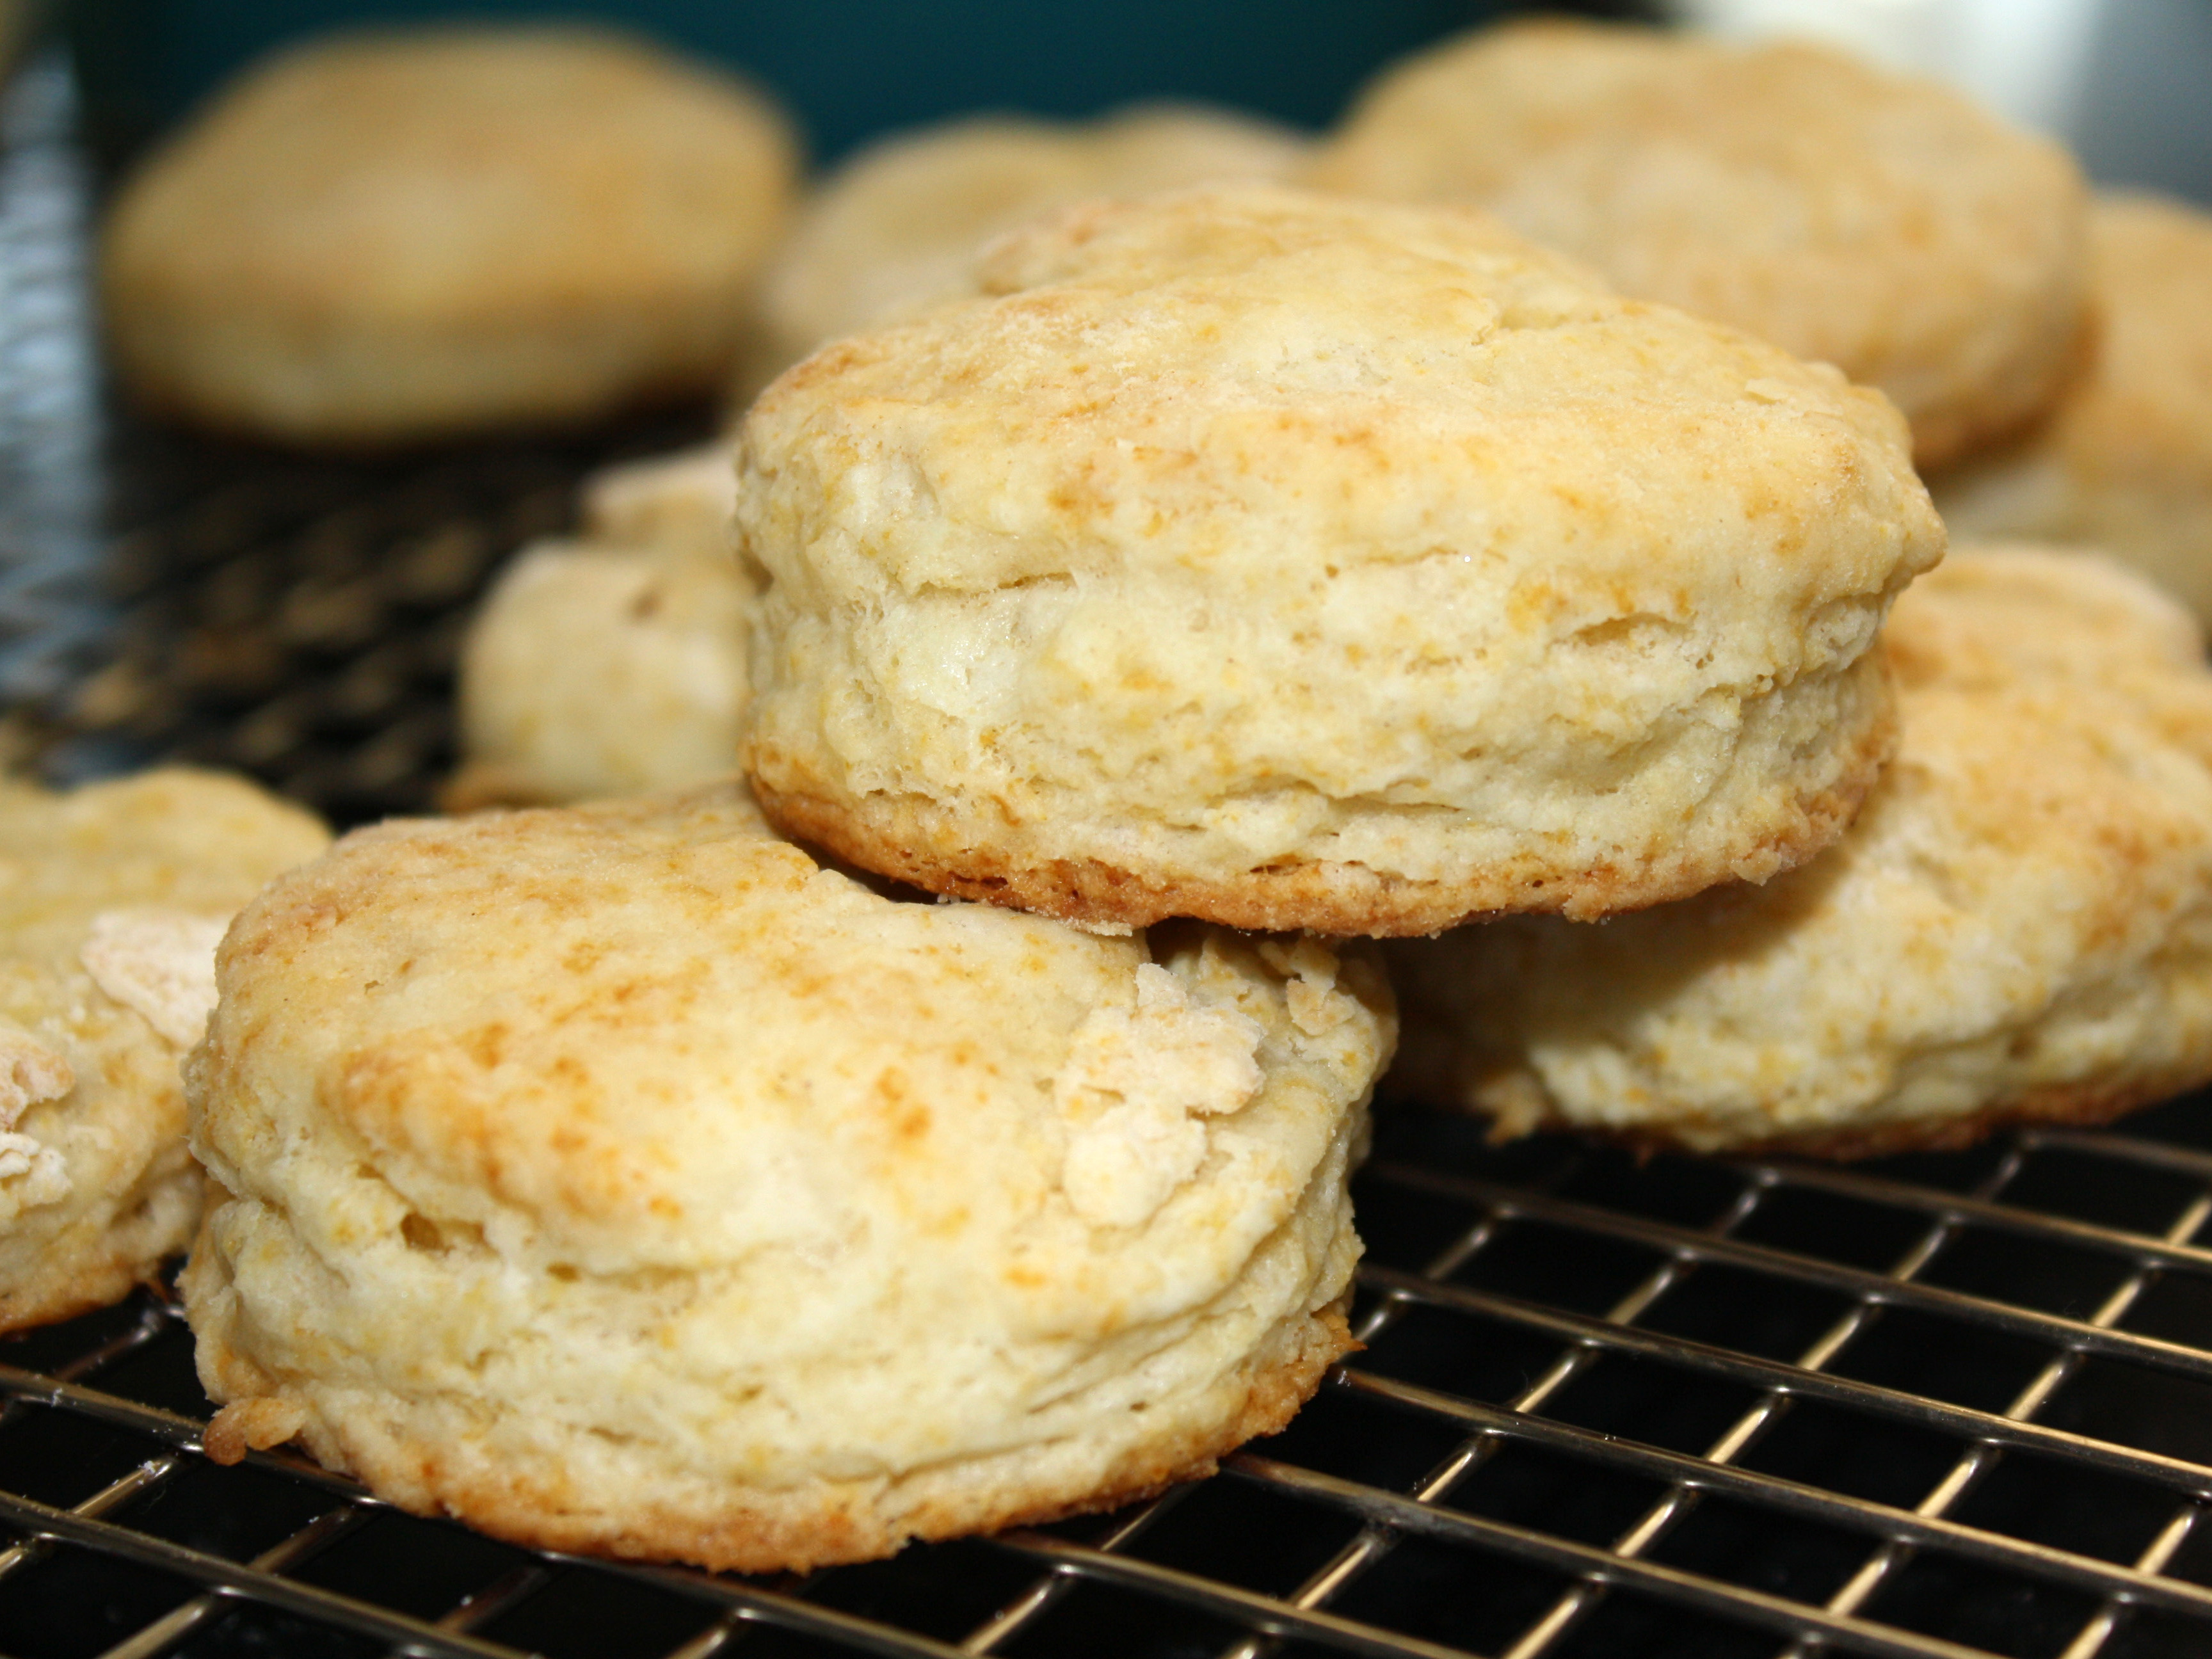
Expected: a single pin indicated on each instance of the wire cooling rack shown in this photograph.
(1954, 1407)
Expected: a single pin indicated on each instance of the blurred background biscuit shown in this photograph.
(620, 1178)
(2018, 926)
(1876, 222)
(900, 221)
(614, 663)
(388, 238)
(2125, 463)
(1293, 561)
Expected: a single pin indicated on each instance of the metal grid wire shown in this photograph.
(1940, 1406)
(1936, 1406)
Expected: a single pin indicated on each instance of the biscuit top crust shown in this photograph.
(437, 173)
(1877, 221)
(162, 843)
(647, 1036)
(1262, 381)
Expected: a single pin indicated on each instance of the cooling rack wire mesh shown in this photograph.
(1937, 1406)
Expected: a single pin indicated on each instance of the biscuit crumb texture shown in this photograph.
(2124, 464)
(1873, 221)
(621, 1179)
(2018, 926)
(1298, 563)
(111, 897)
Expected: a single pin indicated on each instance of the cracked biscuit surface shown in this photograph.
(1877, 221)
(112, 899)
(2018, 926)
(1298, 563)
(622, 1178)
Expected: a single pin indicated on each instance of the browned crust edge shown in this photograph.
(831, 1523)
(1321, 896)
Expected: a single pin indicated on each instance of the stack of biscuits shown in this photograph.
(1228, 601)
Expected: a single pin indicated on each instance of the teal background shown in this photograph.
(849, 69)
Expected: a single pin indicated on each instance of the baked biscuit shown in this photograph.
(900, 221)
(616, 663)
(1293, 562)
(681, 502)
(2018, 926)
(621, 1179)
(2124, 464)
(595, 669)
(112, 899)
(1852, 216)
(385, 238)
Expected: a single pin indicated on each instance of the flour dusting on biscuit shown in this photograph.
(160, 963)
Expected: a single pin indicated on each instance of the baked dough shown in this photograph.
(2124, 464)
(2018, 926)
(612, 664)
(900, 221)
(1293, 562)
(1878, 222)
(620, 1178)
(112, 899)
(383, 238)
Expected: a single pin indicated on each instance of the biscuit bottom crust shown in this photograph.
(394, 1445)
(921, 842)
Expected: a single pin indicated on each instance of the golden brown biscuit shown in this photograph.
(2124, 464)
(112, 899)
(1294, 561)
(1851, 216)
(899, 223)
(621, 1179)
(391, 237)
(2018, 926)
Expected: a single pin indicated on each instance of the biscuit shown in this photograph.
(384, 238)
(2018, 926)
(1852, 216)
(1292, 562)
(594, 669)
(619, 1178)
(2125, 463)
(113, 897)
(616, 663)
(900, 221)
